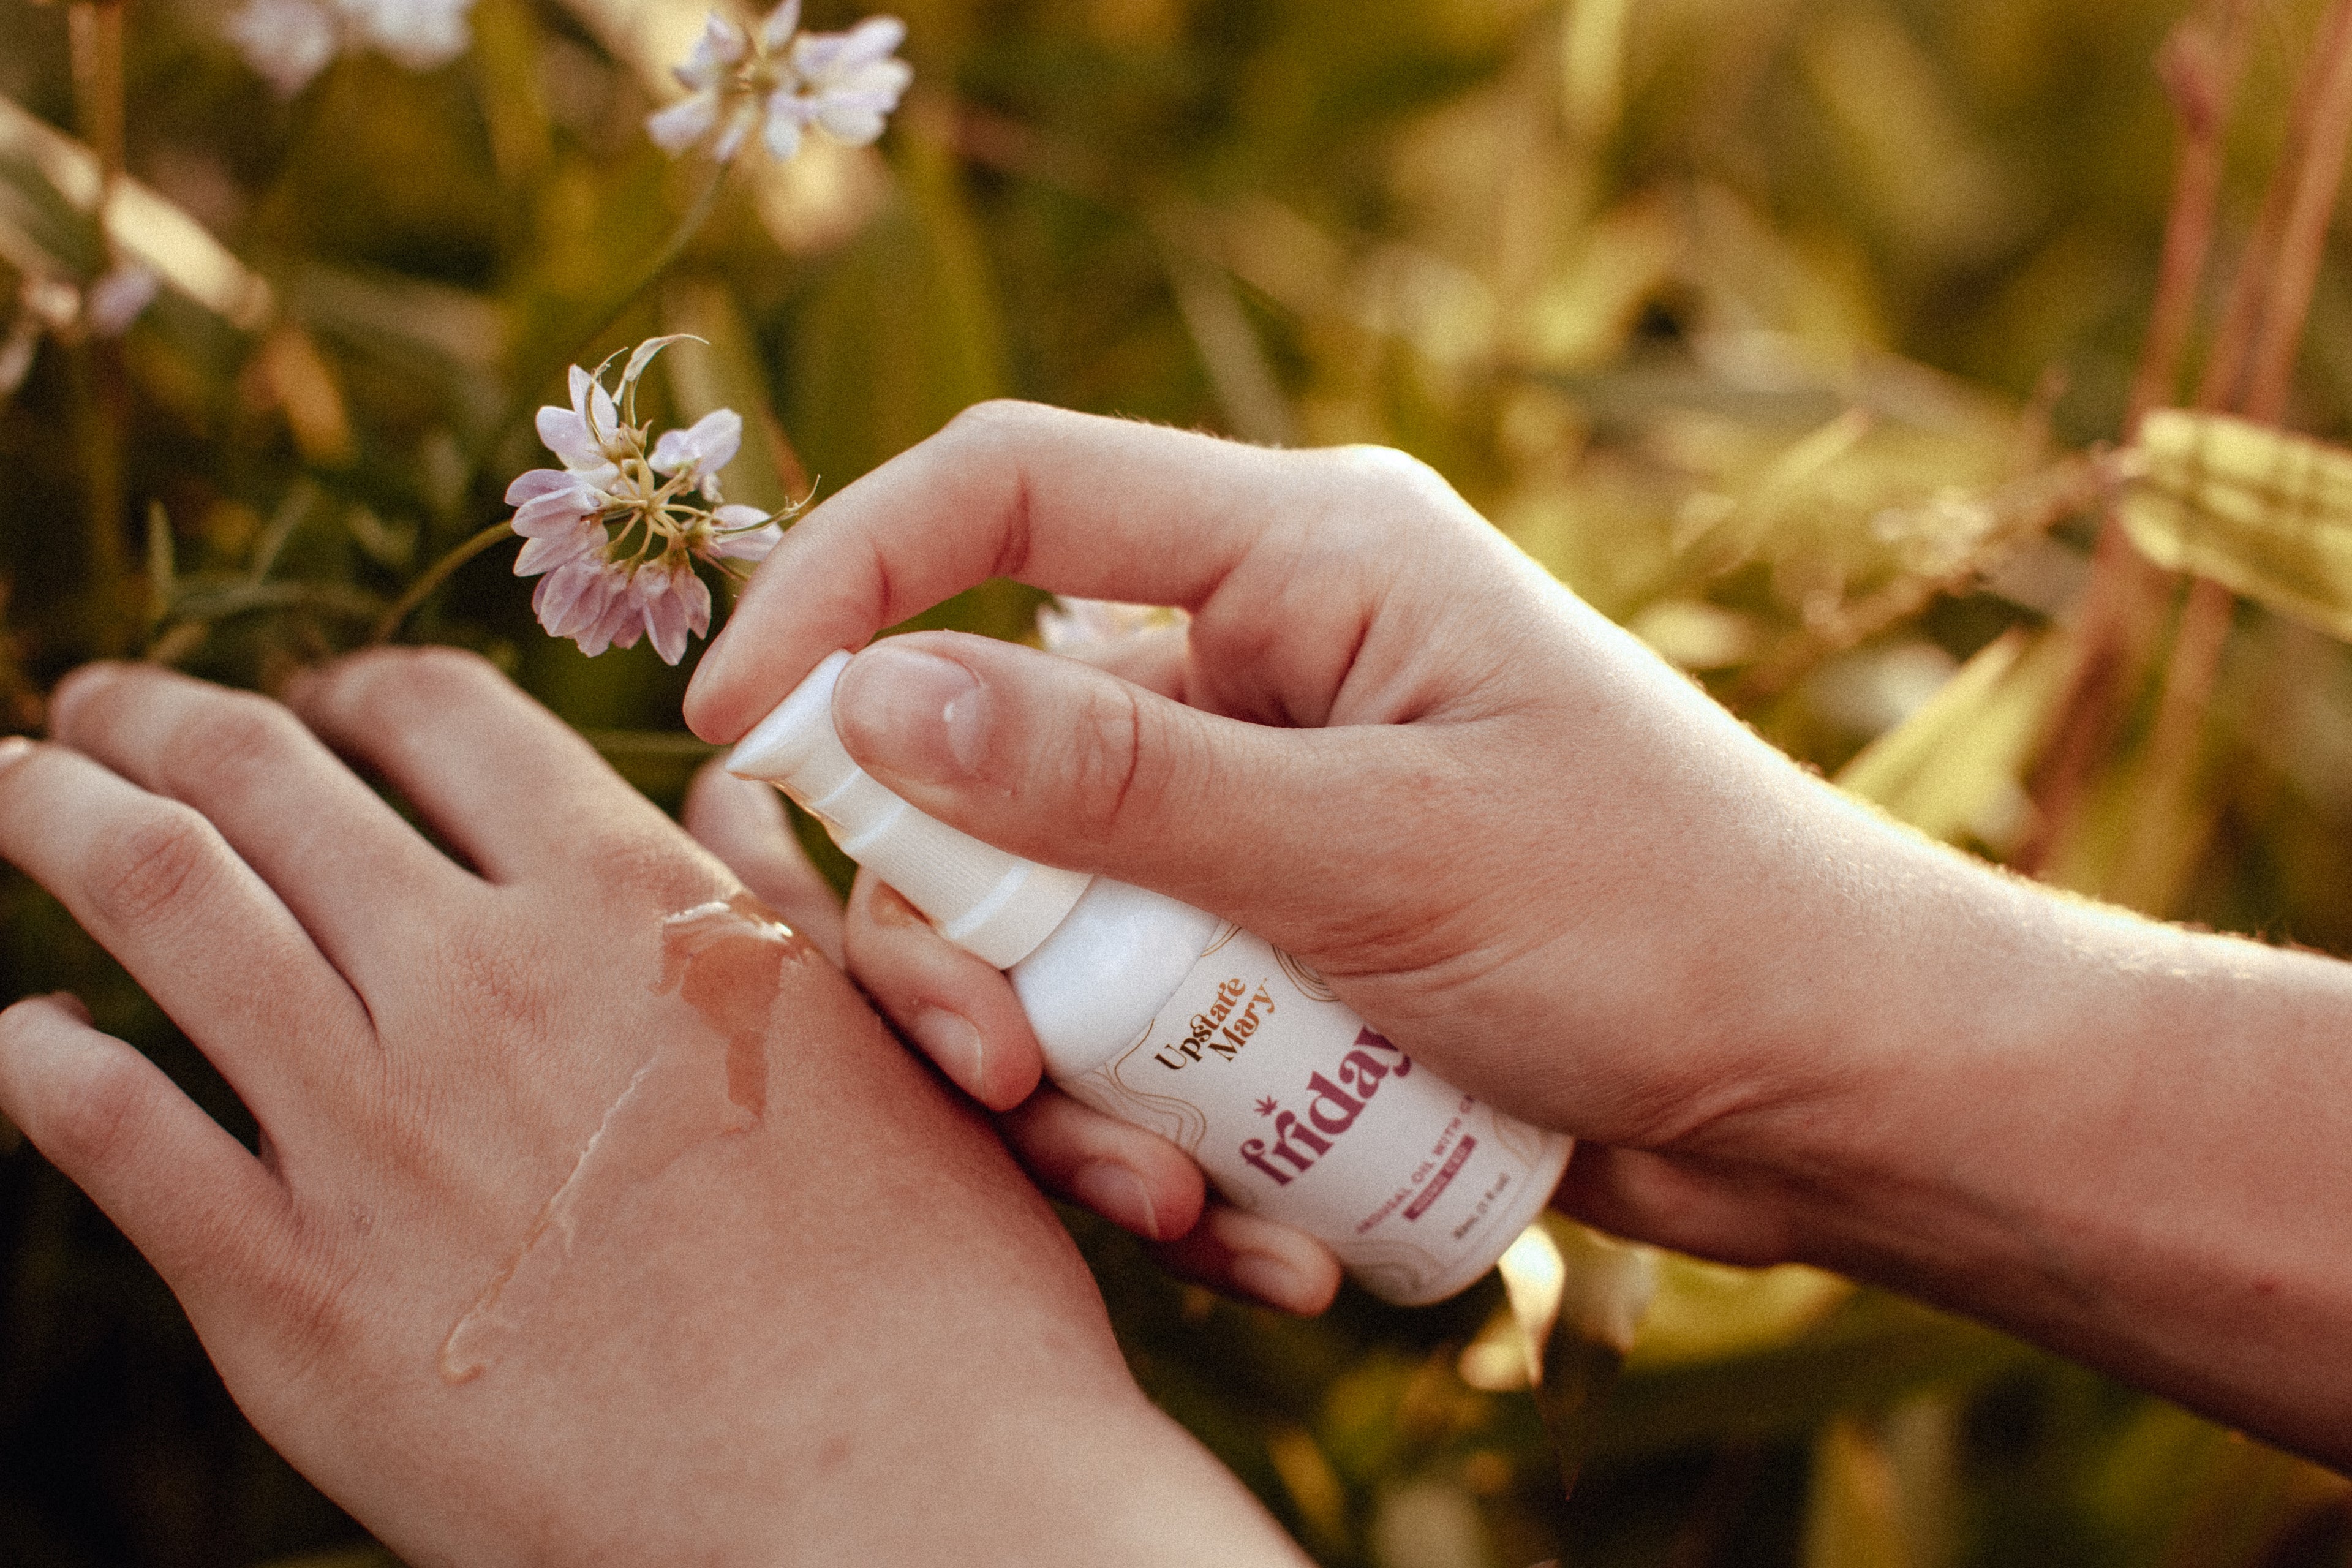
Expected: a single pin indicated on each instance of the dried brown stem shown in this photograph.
(2309, 176)
(94, 35)
(2026, 506)
(94, 38)
(2201, 65)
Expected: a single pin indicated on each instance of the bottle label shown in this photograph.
(1297, 1112)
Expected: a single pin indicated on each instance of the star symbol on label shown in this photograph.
(1266, 1106)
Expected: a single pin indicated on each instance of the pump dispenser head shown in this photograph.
(988, 902)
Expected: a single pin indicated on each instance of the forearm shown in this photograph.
(2124, 1141)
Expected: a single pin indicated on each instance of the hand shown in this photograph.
(1516, 841)
(577, 1232)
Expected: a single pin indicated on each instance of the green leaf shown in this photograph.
(1953, 768)
(2266, 514)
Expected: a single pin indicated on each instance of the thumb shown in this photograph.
(1296, 834)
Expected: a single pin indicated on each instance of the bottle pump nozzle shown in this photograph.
(985, 900)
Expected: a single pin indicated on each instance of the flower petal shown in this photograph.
(751, 545)
(824, 58)
(566, 436)
(684, 122)
(570, 596)
(781, 24)
(717, 48)
(645, 352)
(669, 609)
(854, 121)
(738, 129)
(286, 41)
(554, 514)
(117, 300)
(623, 618)
(872, 39)
(536, 482)
(703, 448)
(786, 114)
(547, 552)
(594, 405)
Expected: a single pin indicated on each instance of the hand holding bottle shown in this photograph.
(1388, 742)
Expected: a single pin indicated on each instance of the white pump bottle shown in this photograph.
(1166, 1016)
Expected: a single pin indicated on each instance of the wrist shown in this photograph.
(2106, 1135)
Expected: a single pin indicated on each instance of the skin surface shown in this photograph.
(796, 1275)
(1524, 849)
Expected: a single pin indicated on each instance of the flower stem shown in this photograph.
(434, 576)
(526, 398)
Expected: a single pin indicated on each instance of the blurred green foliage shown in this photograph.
(1769, 326)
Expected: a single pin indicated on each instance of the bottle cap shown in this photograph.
(988, 902)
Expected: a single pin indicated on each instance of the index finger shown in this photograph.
(1071, 502)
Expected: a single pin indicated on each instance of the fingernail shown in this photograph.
(889, 907)
(949, 1039)
(13, 749)
(914, 713)
(1118, 1195)
(1270, 1279)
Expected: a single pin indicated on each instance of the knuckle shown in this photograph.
(1119, 771)
(317, 1304)
(399, 684)
(1385, 466)
(94, 1126)
(997, 420)
(229, 743)
(139, 870)
(1387, 479)
(656, 865)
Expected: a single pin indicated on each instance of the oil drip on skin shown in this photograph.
(726, 961)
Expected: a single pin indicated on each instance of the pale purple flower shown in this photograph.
(780, 80)
(849, 83)
(676, 605)
(696, 453)
(47, 307)
(614, 535)
(745, 533)
(422, 35)
(120, 297)
(584, 435)
(289, 42)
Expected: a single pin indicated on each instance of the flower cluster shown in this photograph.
(290, 41)
(50, 306)
(779, 80)
(613, 535)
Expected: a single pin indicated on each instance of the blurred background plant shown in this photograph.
(1811, 340)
